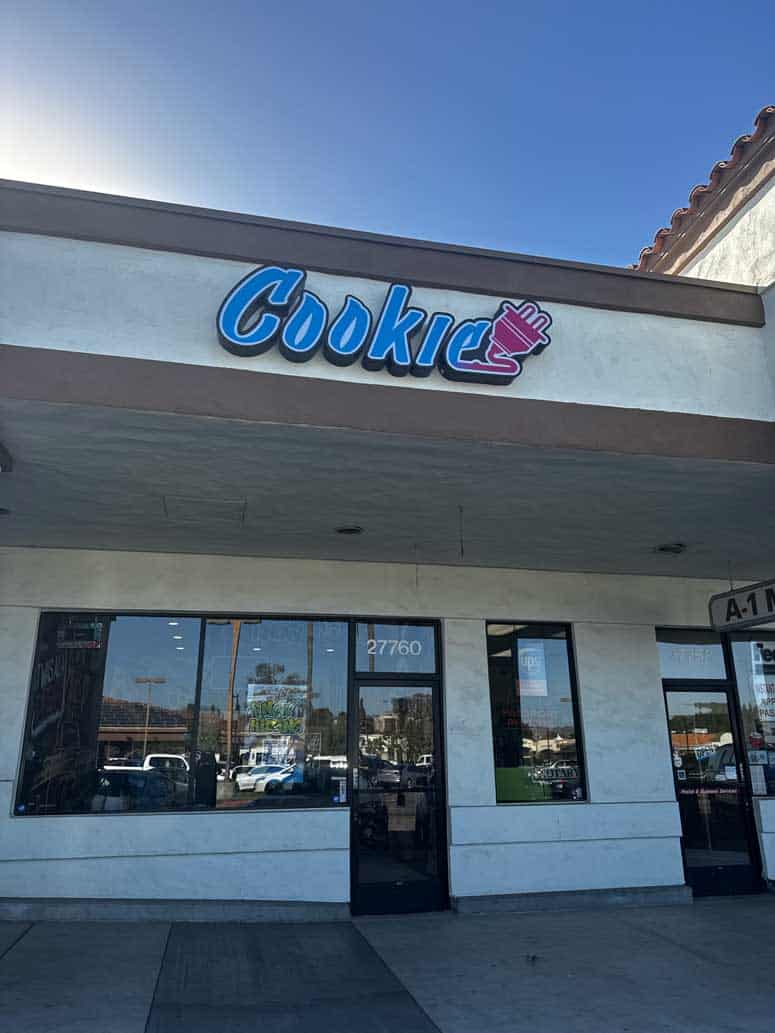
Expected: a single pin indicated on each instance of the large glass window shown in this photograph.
(146, 713)
(754, 659)
(535, 729)
(274, 706)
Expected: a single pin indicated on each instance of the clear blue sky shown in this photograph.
(564, 129)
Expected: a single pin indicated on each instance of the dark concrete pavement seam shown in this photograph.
(13, 943)
(158, 978)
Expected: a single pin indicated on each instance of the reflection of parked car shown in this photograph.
(416, 776)
(374, 772)
(132, 789)
(173, 763)
(240, 769)
(175, 767)
(721, 766)
(266, 778)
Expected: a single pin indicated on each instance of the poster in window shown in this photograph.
(531, 667)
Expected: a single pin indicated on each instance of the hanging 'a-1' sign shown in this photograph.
(743, 607)
(271, 306)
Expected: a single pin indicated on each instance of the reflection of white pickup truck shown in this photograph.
(172, 763)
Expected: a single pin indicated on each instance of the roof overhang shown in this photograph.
(55, 211)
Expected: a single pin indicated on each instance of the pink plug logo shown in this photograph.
(519, 331)
(514, 333)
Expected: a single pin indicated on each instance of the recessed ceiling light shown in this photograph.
(329, 650)
(173, 624)
(256, 649)
(349, 529)
(177, 636)
(179, 648)
(671, 548)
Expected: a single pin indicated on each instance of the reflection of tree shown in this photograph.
(418, 727)
(404, 733)
(210, 730)
(274, 674)
(712, 716)
(332, 730)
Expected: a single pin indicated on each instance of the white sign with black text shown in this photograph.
(743, 607)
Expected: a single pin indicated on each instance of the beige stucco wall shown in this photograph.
(744, 251)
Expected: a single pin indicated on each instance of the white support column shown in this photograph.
(626, 742)
(18, 626)
(468, 725)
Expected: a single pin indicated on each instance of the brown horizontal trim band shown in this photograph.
(76, 378)
(55, 211)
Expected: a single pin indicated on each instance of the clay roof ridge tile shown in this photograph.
(700, 192)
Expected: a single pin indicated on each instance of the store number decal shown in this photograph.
(393, 647)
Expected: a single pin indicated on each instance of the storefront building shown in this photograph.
(343, 573)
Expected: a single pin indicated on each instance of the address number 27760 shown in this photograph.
(393, 647)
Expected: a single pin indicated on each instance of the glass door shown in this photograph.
(398, 847)
(719, 844)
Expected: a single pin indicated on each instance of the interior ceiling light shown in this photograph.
(671, 548)
(6, 463)
(349, 529)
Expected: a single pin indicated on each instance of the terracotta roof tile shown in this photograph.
(699, 196)
(117, 713)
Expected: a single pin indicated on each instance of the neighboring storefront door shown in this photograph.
(719, 838)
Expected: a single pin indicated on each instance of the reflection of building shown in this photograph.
(387, 724)
(125, 725)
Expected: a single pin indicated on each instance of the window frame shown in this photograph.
(575, 694)
(351, 675)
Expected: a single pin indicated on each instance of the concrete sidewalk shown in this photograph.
(706, 968)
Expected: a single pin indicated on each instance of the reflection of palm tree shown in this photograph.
(308, 698)
(236, 628)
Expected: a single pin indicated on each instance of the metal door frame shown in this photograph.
(728, 688)
(436, 682)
